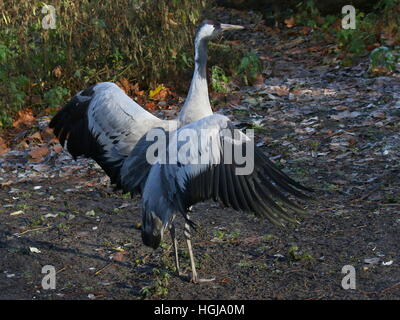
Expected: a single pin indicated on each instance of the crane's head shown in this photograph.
(152, 230)
(210, 29)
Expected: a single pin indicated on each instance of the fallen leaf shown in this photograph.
(151, 106)
(345, 115)
(36, 136)
(57, 148)
(341, 108)
(39, 152)
(290, 22)
(159, 93)
(379, 115)
(90, 213)
(51, 215)
(34, 250)
(119, 256)
(305, 30)
(3, 147)
(47, 134)
(25, 118)
(16, 213)
(57, 72)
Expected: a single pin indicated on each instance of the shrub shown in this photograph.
(143, 40)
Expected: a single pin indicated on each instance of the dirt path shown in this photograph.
(332, 128)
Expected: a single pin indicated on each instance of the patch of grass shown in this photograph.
(126, 196)
(37, 221)
(23, 206)
(244, 263)
(219, 80)
(25, 194)
(159, 287)
(62, 227)
(269, 236)
(298, 255)
(263, 248)
(249, 67)
(331, 187)
(222, 236)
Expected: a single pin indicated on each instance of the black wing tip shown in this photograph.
(71, 126)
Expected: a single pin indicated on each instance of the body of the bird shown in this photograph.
(104, 124)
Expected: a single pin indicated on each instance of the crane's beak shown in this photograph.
(226, 27)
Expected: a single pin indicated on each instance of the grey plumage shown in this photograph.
(176, 187)
(103, 123)
(170, 189)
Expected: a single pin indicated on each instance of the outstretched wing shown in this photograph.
(178, 186)
(102, 123)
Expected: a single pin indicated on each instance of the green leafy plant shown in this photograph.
(159, 287)
(250, 66)
(383, 60)
(308, 14)
(55, 96)
(219, 80)
(132, 38)
(378, 26)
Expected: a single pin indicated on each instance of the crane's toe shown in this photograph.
(195, 279)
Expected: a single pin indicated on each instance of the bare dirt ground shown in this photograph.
(331, 128)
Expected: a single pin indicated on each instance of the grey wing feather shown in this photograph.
(263, 191)
(136, 166)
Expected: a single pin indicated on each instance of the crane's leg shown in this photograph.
(175, 244)
(194, 278)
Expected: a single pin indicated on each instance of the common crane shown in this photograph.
(103, 123)
(170, 184)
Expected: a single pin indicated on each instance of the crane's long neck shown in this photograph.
(197, 104)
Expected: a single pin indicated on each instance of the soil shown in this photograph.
(90, 234)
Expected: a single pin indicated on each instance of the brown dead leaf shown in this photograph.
(39, 152)
(57, 148)
(280, 91)
(305, 30)
(259, 80)
(124, 84)
(352, 141)
(233, 42)
(47, 134)
(296, 91)
(315, 49)
(151, 106)
(57, 72)
(25, 118)
(3, 146)
(35, 137)
(290, 22)
(379, 115)
(119, 256)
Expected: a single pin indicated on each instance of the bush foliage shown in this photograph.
(143, 40)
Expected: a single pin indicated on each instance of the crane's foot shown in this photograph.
(195, 279)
